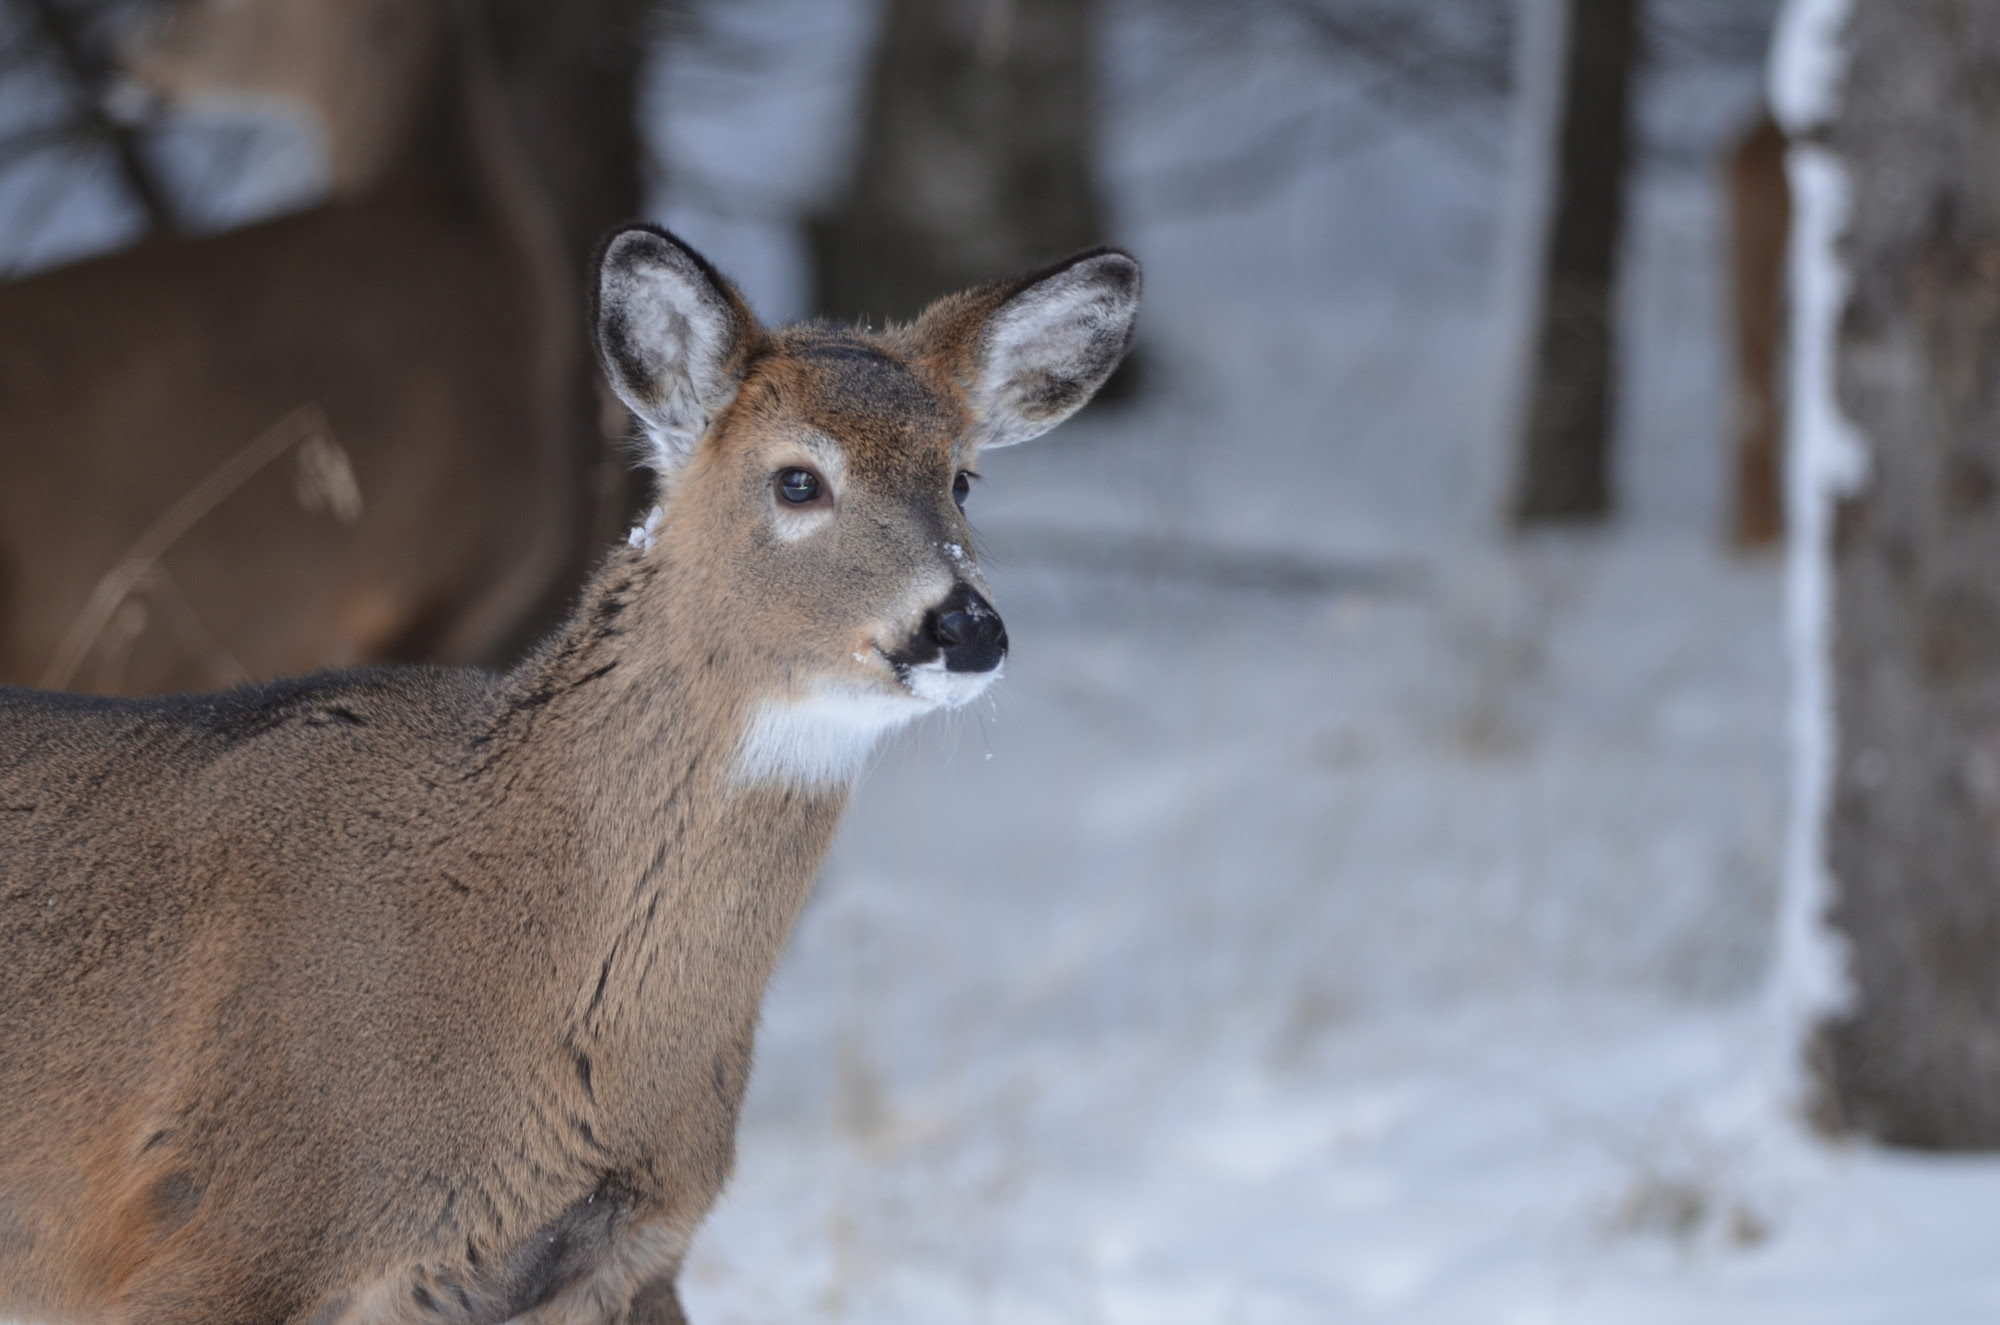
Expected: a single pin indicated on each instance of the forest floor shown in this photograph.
(1344, 910)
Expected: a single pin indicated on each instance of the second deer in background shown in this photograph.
(427, 313)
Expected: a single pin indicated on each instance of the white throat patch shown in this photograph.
(821, 740)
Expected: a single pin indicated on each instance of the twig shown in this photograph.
(305, 422)
(147, 188)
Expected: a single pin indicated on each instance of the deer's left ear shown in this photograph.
(1033, 351)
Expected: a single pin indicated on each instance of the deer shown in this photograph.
(414, 341)
(416, 993)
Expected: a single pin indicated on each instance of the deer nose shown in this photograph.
(969, 634)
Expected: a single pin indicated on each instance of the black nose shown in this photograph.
(968, 632)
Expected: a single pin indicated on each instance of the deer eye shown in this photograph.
(797, 487)
(961, 488)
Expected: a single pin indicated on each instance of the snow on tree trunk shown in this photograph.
(1900, 566)
(1822, 460)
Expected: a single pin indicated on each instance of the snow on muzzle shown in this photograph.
(956, 651)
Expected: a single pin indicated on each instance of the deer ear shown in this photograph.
(1033, 351)
(673, 335)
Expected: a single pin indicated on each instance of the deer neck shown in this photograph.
(686, 881)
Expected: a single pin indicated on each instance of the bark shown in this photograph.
(1566, 461)
(1914, 836)
(976, 158)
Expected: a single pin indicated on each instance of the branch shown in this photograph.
(141, 179)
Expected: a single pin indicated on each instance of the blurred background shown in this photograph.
(1364, 898)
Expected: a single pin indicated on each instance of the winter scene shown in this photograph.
(517, 801)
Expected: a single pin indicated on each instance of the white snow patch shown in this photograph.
(643, 533)
(1597, 1165)
(1808, 60)
(1825, 458)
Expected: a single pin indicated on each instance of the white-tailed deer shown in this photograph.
(427, 314)
(427, 994)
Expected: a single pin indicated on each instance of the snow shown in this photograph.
(1825, 458)
(227, 163)
(643, 534)
(1808, 59)
(1493, 1164)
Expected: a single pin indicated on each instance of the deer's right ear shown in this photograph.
(673, 335)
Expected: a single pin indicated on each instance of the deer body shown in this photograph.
(108, 421)
(427, 994)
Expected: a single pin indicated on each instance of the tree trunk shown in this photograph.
(1566, 451)
(568, 76)
(1914, 832)
(1760, 218)
(976, 158)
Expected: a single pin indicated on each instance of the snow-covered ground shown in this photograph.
(1344, 911)
(1585, 1161)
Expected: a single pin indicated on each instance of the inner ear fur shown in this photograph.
(1032, 351)
(674, 336)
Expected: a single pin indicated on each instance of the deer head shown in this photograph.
(813, 480)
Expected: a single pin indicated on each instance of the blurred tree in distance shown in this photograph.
(1565, 467)
(1760, 222)
(977, 156)
(1442, 69)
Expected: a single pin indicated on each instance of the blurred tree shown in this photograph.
(1441, 68)
(1914, 836)
(1760, 219)
(977, 156)
(1565, 468)
(569, 74)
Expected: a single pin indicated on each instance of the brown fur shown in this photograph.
(428, 994)
(427, 314)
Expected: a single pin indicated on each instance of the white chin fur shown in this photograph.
(825, 738)
(932, 683)
(822, 739)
